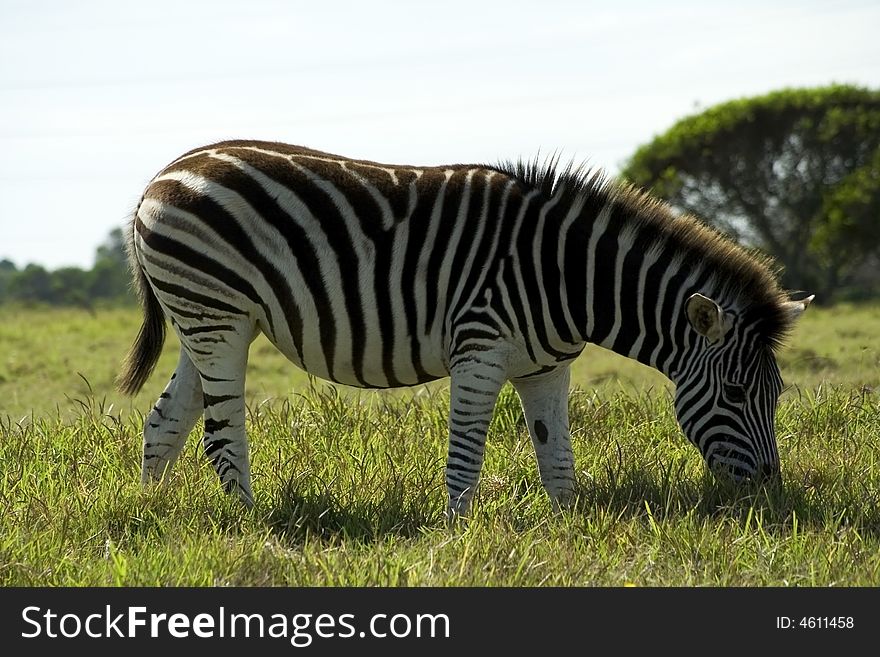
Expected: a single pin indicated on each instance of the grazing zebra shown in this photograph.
(381, 276)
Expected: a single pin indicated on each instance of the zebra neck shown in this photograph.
(634, 293)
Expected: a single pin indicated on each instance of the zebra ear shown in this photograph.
(707, 317)
(796, 308)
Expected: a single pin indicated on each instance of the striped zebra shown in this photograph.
(380, 276)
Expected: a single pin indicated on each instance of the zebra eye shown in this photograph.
(735, 394)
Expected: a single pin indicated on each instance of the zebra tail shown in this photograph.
(144, 353)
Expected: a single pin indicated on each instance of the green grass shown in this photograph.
(349, 486)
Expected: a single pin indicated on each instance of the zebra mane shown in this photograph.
(747, 276)
(572, 180)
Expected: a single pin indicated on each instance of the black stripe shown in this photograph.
(476, 402)
(212, 426)
(528, 270)
(551, 275)
(207, 329)
(604, 301)
(473, 337)
(194, 297)
(478, 440)
(466, 420)
(215, 444)
(213, 400)
(460, 446)
(458, 467)
(214, 379)
(473, 390)
(180, 312)
(542, 370)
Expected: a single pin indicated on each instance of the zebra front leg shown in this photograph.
(171, 420)
(545, 406)
(474, 387)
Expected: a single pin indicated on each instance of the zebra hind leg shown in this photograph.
(225, 441)
(171, 420)
(545, 406)
(220, 357)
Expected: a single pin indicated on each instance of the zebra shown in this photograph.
(380, 276)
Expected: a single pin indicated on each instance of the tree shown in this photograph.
(113, 249)
(850, 234)
(109, 278)
(33, 283)
(7, 271)
(69, 286)
(794, 173)
(107, 281)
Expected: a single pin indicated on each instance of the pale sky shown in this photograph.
(96, 96)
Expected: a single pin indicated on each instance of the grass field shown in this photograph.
(349, 485)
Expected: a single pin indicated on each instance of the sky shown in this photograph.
(97, 96)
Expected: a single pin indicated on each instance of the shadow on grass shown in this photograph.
(814, 500)
(824, 503)
(299, 515)
(301, 510)
(818, 501)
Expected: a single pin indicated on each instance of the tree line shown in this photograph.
(106, 282)
(794, 173)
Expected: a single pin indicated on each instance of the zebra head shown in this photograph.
(726, 392)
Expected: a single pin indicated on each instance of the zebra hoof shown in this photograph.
(564, 501)
(456, 515)
(244, 493)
